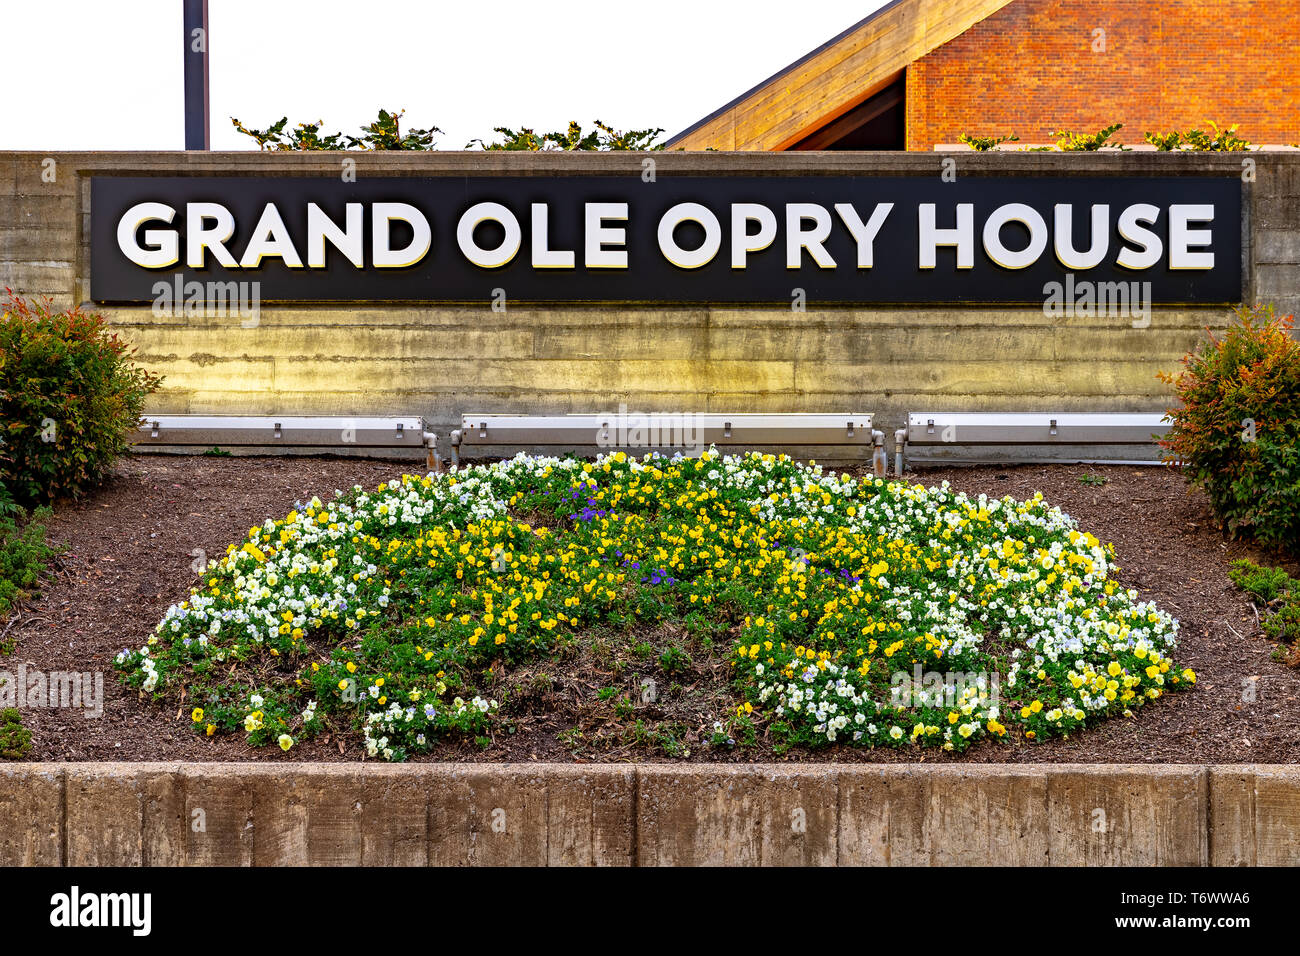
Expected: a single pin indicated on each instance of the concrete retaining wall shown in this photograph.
(440, 362)
(464, 814)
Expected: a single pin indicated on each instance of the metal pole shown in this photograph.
(197, 40)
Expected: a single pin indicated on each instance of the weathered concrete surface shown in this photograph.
(737, 816)
(31, 814)
(441, 362)
(664, 814)
(945, 816)
(1254, 816)
(1129, 816)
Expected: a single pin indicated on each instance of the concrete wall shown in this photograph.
(551, 814)
(440, 362)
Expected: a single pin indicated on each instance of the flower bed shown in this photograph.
(852, 605)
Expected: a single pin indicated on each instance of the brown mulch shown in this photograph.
(130, 547)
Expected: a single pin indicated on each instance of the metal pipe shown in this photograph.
(432, 460)
(900, 451)
(197, 41)
(879, 461)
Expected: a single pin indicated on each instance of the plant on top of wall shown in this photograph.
(983, 144)
(1165, 142)
(1237, 431)
(1215, 141)
(603, 137)
(1071, 141)
(384, 133)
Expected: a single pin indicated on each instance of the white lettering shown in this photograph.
(689, 258)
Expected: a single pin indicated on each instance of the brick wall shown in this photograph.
(1031, 68)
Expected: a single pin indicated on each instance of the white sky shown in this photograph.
(106, 74)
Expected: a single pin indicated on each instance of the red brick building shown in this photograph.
(918, 73)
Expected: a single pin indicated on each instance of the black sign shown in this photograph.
(677, 239)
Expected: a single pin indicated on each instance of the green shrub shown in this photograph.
(385, 133)
(69, 400)
(15, 739)
(8, 507)
(1284, 623)
(982, 144)
(23, 556)
(1237, 429)
(1267, 584)
(1216, 140)
(1278, 591)
(601, 137)
(675, 661)
(1071, 141)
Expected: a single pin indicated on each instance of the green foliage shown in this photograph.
(8, 507)
(1284, 623)
(384, 133)
(983, 144)
(675, 661)
(15, 739)
(1237, 430)
(669, 738)
(24, 553)
(602, 137)
(23, 556)
(69, 400)
(1072, 141)
(1278, 591)
(304, 136)
(1165, 142)
(1095, 481)
(1215, 140)
(1267, 584)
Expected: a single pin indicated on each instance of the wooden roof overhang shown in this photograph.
(824, 85)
